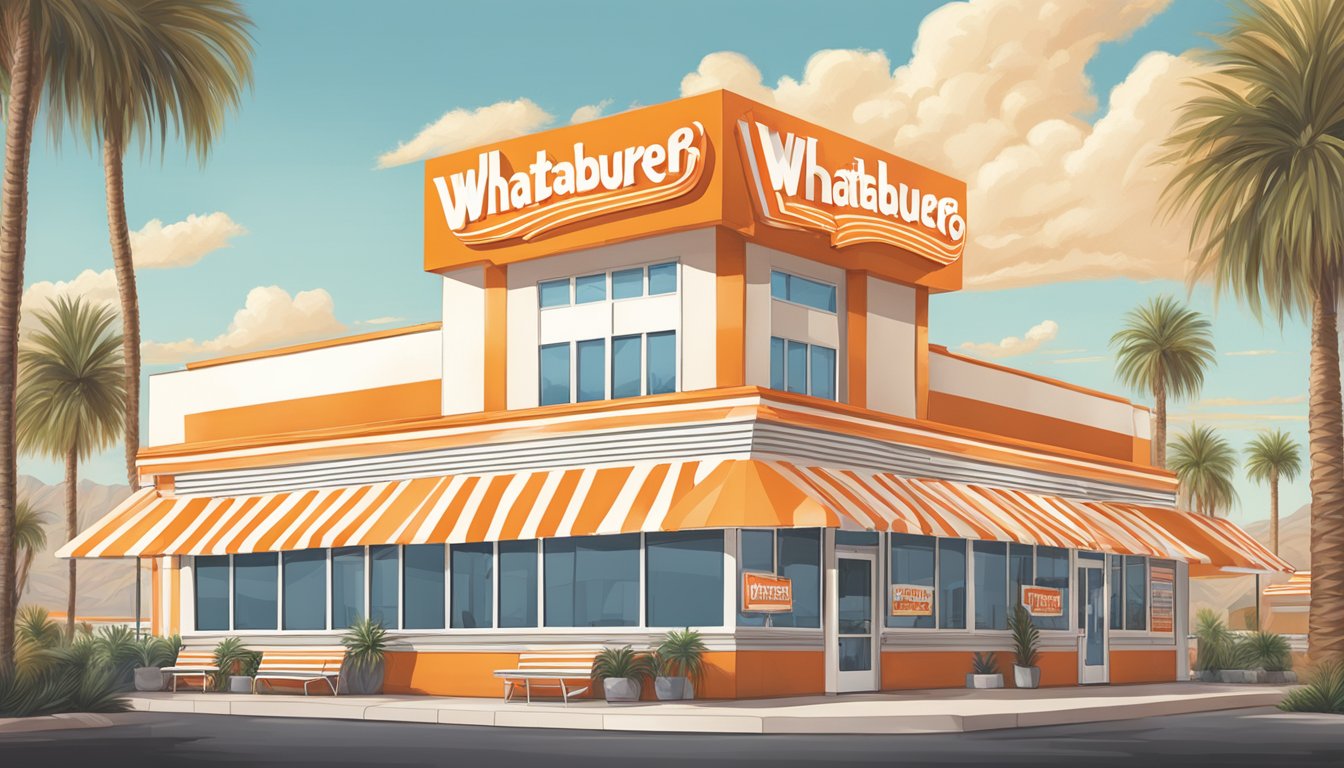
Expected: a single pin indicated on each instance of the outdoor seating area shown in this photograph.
(568, 671)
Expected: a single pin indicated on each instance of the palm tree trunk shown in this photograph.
(71, 531)
(1325, 623)
(1160, 421)
(1274, 510)
(120, 236)
(22, 106)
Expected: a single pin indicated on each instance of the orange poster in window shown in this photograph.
(911, 600)
(766, 593)
(1043, 601)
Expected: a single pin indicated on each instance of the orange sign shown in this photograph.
(766, 593)
(1162, 598)
(804, 183)
(1043, 601)
(911, 600)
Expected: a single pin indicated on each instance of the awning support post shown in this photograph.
(137, 597)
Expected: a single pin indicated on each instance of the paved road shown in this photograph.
(1249, 737)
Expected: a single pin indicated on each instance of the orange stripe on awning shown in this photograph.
(740, 493)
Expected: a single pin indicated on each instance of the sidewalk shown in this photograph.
(935, 711)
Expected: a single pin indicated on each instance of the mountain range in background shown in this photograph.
(107, 587)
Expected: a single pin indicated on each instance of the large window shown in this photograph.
(518, 583)
(684, 579)
(384, 571)
(1136, 592)
(794, 554)
(756, 553)
(1052, 570)
(212, 593)
(473, 580)
(913, 562)
(592, 581)
(554, 374)
(347, 586)
(305, 586)
(591, 369)
(991, 584)
(255, 581)
(801, 290)
(422, 583)
(808, 369)
(951, 583)
(629, 355)
(625, 284)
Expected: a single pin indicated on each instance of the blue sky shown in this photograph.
(339, 83)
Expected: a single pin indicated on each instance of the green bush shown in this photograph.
(233, 658)
(68, 678)
(1267, 651)
(1324, 692)
(157, 651)
(118, 649)
(1214, 642)
(622, 662)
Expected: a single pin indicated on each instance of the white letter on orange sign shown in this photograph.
(654, 156)
(677, 145)
(468, 195)
(783, 161)
(539, 170)
(816, 173)
(586, 168)
(926, 209)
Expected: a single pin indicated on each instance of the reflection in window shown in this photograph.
(777, 377)
(212, 593)
(800, 290)
(795, 368)
(756, 553)
(384, 570)
(554, 293)
(1136, 592)
(625, 366)
(255, 590)
(823, 372)
(592, 581)
(662, 354)
(1116, 565)
(799, 553)
(592, 370)
(627, 283)
(554, 374)
(1052, 570)
(518, 583)
(685, 579)
(590, 288)
(662, 278)
(347, 586)
(473, 585)
(305, 584)
(422, 586)
(912, 563)
(1021, 573)
(951, 583)
(991, 584)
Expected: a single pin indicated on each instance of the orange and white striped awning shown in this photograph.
(667, 496)
(1299, 585)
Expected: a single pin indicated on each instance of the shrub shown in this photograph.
(622, 662)
(71, 678)
(984, 664)
(157, 651)
(680, 654)
(1266, 650)
(365, 643)
(34, 625)
(232, 658)
(1324, 692)
(1214, 642)
(1026, 637)
(117, 648)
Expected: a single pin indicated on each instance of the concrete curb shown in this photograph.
(64, 722)
(825, 716)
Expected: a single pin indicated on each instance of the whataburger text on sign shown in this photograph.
(715, 159)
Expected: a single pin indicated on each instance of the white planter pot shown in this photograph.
(1026, 677)
(984, 681)
(621, 689)
(240, 684)
(149, 679)
(671, 688)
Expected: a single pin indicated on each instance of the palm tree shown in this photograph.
(70, 397)
(1205, 465)
(30, 533)
(1163, 349)
(1261, 166)
(1273, 456)
(41, 41)
(178, 62)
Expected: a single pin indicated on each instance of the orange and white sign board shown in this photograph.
(911, 600)
(1043, 601)
(712, 160)
(1162, 598)
(766, 593)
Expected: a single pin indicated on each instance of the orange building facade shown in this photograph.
(683, 378)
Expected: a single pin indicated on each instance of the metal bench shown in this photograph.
(551, 669)
(303, 665)
(190, 663)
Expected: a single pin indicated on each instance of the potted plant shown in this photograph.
(233, 660)
(152, 655)
(984, 672)
(677, 663)
(621, 670)
(1026, 649)
(365, 646)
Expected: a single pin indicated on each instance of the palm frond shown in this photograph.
(1273, 453)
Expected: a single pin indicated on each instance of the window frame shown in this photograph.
(789, 277)
(787, 345)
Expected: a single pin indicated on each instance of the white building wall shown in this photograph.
(891, 347)
(325, 371)
(464, 341)
(690, 312)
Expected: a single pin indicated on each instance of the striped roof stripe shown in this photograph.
(653, 496)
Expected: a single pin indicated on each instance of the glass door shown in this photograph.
(856, 629)
(1093, 658)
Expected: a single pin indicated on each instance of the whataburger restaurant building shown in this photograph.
(683, 378)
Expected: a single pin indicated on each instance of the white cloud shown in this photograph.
(465, 128)
(1251, 353)
(1238, 420)
(1235, 402)
(992, 94)
(1079, 360)
(182, 243)
(1012, 346)
(384, 320)
(269, 318)
(589, 112)
(95, 287)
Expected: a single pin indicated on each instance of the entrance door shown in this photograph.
(856, 630)
(1093, 656)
